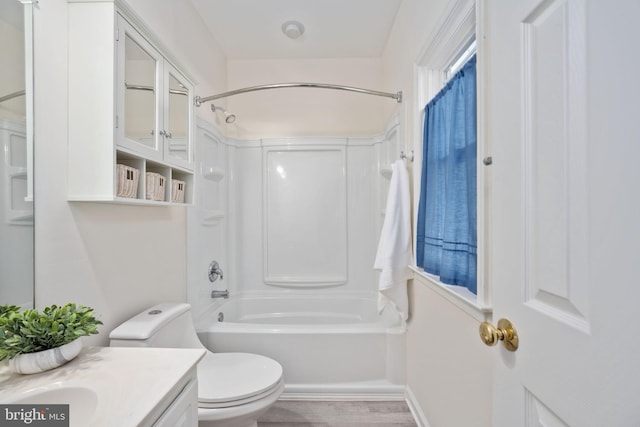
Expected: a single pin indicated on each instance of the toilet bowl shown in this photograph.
(234, 389)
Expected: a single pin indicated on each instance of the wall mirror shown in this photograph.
(16, 154)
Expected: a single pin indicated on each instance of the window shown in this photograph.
(446, 237)
(441, 58)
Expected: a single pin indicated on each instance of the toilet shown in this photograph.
(234, 389)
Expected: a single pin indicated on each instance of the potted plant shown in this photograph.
(36, 341)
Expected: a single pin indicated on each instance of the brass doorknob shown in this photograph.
(505, 332)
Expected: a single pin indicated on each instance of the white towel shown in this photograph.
(394, 249)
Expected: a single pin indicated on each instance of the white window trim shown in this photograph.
(463, 21)
(461, 60)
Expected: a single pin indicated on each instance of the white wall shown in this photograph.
(118, 259)
(449, 370)
(447, 367)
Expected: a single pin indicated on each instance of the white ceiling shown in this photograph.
(251, 29)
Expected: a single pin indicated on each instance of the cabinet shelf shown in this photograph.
(165, 170)
(125, 201)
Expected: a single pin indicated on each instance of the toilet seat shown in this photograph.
(233, 379)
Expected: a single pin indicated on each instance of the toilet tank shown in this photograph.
(163, 325)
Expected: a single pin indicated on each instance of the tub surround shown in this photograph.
(99, 373)
(268, 209)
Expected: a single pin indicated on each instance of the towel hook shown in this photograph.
(405, 156)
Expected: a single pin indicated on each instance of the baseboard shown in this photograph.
(415, 409)
(366, 391)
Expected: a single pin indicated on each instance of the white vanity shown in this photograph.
(115, 387)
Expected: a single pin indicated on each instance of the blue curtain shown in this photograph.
(446, 229)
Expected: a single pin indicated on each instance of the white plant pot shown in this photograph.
(33, 363)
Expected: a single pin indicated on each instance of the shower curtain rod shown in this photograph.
(397, 96)
(152, 89)
(12, 95)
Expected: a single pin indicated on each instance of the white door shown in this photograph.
(564, 125)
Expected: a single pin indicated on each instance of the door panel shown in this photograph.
(565, 133)
(554, 128)
(538, 414)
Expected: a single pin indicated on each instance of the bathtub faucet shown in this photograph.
(220, 294)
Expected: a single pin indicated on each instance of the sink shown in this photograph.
(92, 385)
(82, 401)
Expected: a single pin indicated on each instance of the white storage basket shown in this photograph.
(156, 184)
(177, 191)
(127, 181)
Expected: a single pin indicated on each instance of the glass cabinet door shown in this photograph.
(155, 108)
(138, 115)
(177, 118)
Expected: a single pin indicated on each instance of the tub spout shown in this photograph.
(220, 294)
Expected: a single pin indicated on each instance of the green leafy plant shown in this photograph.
(31, 330)
(6, 309)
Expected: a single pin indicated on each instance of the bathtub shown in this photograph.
(329, 346)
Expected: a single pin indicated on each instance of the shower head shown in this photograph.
(228, 118)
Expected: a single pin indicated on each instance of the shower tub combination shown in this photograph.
(329, 345)
(301, 278)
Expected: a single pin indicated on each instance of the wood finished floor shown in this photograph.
(337, 414)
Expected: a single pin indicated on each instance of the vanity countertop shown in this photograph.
(125, 386)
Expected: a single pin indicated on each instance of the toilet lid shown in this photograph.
(225, 378)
